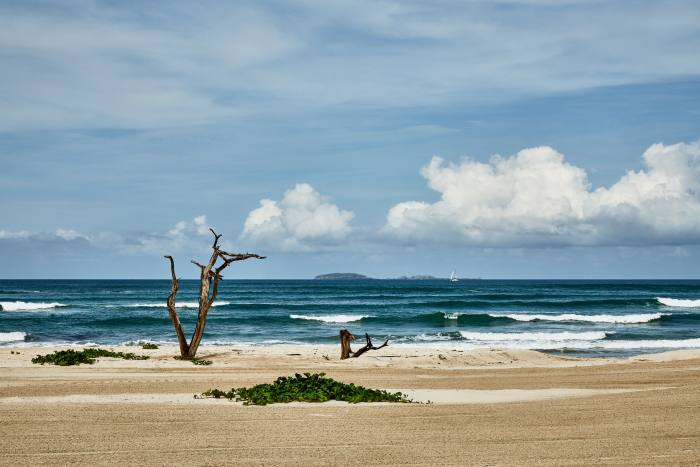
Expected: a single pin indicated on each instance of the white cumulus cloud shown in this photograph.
(197, 226)
(536, 198)
(302, 220)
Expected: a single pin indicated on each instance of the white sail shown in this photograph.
(453, 277)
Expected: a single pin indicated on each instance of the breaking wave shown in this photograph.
(16, 336)
(498, 301)
(679, 302)
(331, 318)
(29, 306)
(619, 319)
(427, 337)
(533, 336)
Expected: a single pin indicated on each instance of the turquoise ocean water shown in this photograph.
(578, 317)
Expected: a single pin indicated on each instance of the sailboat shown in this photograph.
(453, 277)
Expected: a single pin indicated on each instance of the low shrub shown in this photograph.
(149, 346)
(76, 357)
(305, 388)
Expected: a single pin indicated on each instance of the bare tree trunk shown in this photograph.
(346, 352)
(184, 347)
(209, 278)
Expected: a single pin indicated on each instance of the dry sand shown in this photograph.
(490, 407)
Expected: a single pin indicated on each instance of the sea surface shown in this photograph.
(578, 317)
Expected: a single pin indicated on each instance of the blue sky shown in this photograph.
(305, 130)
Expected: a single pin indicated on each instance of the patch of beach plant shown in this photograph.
(76, 357)
(149, 346)
(195, 361)
(308, 387)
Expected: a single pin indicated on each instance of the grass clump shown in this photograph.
(76, 357)
(149, 346)
(306, 388)
(195, 361)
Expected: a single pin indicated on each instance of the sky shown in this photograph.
(499, 139)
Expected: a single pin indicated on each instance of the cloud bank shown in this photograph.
(186, 236)
(535, 198)
(531, 199)
(301, 221)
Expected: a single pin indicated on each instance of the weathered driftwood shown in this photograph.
(346, 352)
(210, 275)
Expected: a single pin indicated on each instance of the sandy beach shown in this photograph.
(489, 407)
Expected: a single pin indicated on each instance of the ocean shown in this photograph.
(588, 318)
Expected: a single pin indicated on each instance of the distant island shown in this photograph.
(341, 276)
(351, 276)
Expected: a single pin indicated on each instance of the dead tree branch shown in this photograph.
(216, 238)
(346, 352)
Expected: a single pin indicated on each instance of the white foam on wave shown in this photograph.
(430, 337)
(620, 319)
(568, 340)
(452, 315)
(25, 344)
(679, 302)
(29, 306)
(177, 305)
(533, 336)
(652, 344)
(558, 344)
(331, 318)
(16, 336)
(220, 342)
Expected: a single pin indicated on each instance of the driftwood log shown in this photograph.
(346, 352)
(210, 275)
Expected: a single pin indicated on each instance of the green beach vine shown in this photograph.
(308, 387)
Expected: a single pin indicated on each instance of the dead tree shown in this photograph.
(346, 352)
(210, 275)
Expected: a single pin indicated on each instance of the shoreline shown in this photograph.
(546, 357)
(327, 354)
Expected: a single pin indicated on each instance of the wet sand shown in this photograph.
(491, 407)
